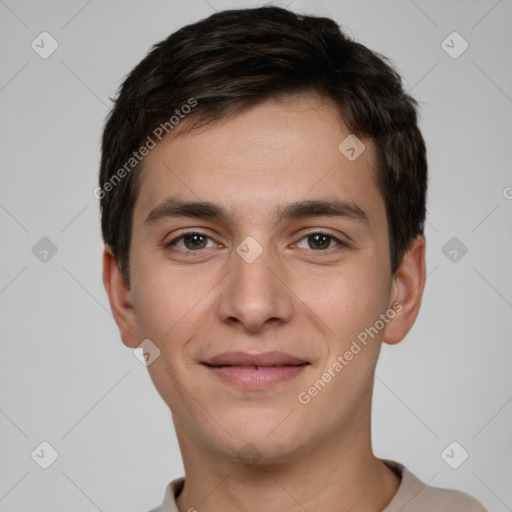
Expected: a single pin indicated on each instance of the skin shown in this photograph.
(309, 302)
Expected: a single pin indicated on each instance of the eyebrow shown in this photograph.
(173, 207)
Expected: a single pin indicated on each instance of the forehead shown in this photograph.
(275, 153)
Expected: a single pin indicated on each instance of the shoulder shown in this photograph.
(171, 491)
(415, 496)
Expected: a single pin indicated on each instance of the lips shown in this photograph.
(255, 371)
(264, 359)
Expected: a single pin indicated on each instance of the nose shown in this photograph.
(254, 293)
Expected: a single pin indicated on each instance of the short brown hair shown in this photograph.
(235, 59)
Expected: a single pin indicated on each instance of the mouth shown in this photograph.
(255, 371)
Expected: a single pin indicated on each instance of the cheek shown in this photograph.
(348, 299)
(174, 307)
(165, 303)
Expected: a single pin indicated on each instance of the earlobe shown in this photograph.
(407, 291)
(119, 297)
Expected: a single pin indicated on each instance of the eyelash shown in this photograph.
(340, 243)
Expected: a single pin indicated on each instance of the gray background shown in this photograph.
(65, 376)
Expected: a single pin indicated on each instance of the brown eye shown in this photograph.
(195, 241)
(320, 242)
(190, 242)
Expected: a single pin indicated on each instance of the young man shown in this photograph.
(263, 185)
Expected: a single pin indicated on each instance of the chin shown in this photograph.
(262, 452)
(264, 442)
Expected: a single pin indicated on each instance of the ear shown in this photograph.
(119, 296)
(407, 292)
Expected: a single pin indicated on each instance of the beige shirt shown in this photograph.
(412, 496)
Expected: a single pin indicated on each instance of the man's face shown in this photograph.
(252, 283)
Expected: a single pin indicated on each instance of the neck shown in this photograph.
(339, 475)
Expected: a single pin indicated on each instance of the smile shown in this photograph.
(257, 377)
